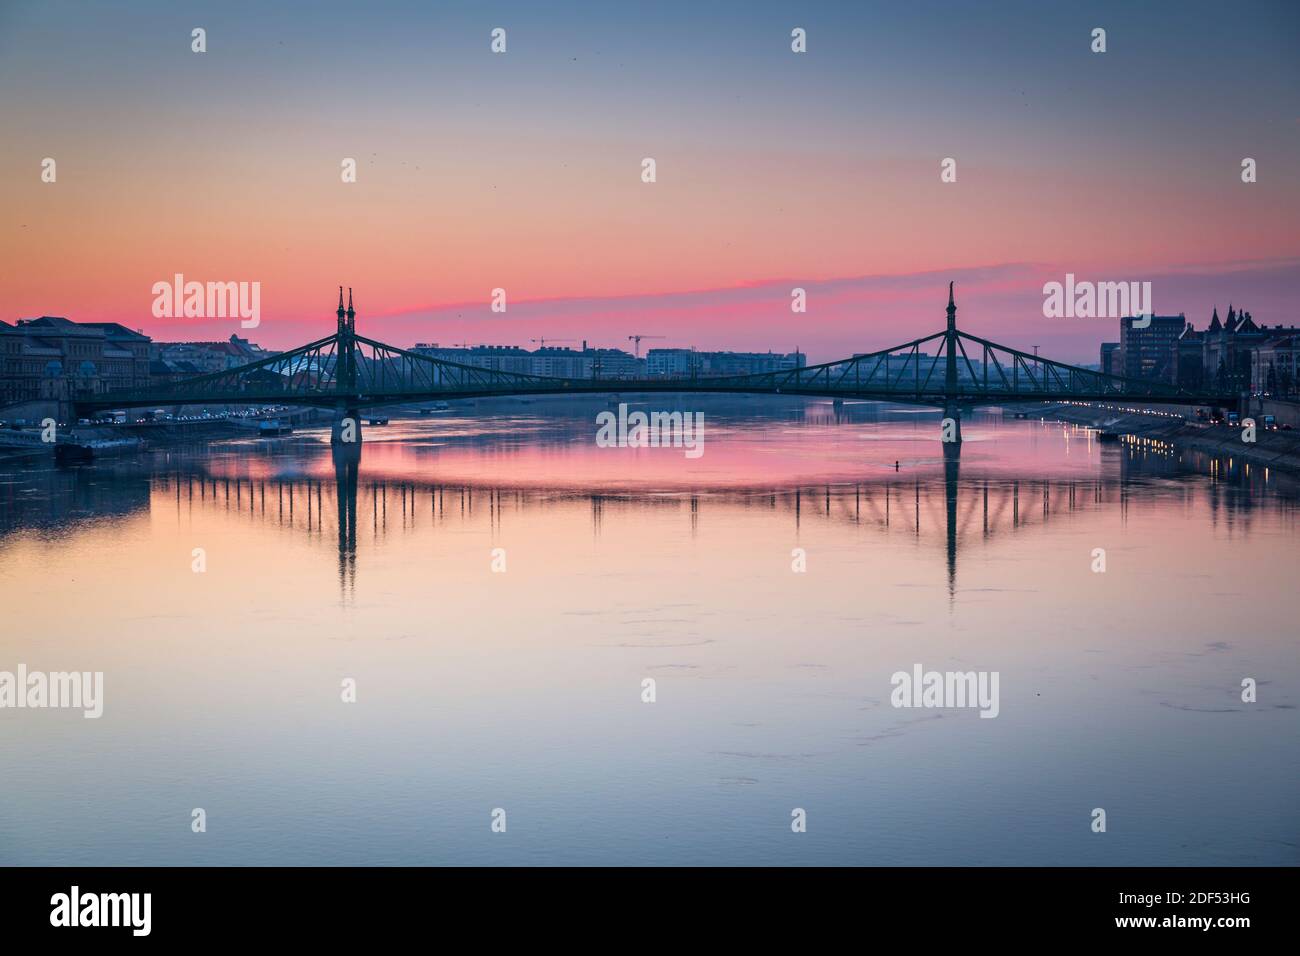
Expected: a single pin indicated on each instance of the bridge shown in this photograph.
(347, 372)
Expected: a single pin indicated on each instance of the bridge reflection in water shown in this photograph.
(946, 513)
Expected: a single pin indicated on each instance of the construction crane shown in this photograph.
(543, 340)
(637, 339)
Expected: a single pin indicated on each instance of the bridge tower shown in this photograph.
(345, 374)
(950, 407)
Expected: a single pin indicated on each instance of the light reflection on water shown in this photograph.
(522, 689)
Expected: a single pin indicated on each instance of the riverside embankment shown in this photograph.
(1276, 449)
(29, 442)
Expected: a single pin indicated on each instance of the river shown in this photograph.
(496, 592)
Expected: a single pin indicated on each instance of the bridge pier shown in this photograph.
(951, 412)
(347, 426)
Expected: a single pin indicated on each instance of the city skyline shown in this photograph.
(516, 333)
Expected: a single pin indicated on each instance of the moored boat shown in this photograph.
(273, 426)
(77, 452)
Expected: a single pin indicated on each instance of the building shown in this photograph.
(1148, 350)
(686, 363)
(612, 364)
(551, 361)
(1234, 355)
(163, 372)
(1277, 365)
(752, 363)
(1189, 360)
(208, 356)
(1111, 359)
(53, 358)
(672, 363)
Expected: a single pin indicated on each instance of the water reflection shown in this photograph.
(933, 504)
(521, 689)
(347, 467)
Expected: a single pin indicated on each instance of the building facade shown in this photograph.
(687, 363)
(1276, 366)
(208, 356)
(551, 361)
(1111, 359)
(1148, 348)
(1236, 354)
(52, 358)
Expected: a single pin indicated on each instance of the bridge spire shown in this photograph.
(951, 410)
(347, 417)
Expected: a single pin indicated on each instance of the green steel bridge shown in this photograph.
(348, 372)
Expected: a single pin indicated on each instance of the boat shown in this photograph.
(377, 421)
(79, 452)
(1108, 436)
(435, 407)
(273, 426)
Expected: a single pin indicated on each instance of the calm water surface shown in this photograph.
(522, 690)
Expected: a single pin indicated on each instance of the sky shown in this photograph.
(774, 169)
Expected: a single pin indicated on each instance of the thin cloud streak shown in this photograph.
(852, 313)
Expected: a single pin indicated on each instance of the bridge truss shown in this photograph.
(947, 368)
